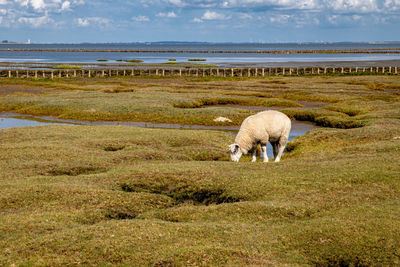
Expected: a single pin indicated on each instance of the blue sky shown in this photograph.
(271, 21)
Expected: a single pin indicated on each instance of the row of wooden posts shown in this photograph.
(219, 72)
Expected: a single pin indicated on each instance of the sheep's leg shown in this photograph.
(275, 148)
(282, 143)
(254, 155)
(264, 155)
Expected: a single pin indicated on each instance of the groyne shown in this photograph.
(198, 72)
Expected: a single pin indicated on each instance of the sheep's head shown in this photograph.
(235, 152)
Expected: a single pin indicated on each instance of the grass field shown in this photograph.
(103, 195)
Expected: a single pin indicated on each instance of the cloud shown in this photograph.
(167, 15)
(93, 21)
(35, 22)
(245, 16)
(140, 19)
(178, 3)
(197, 20)
(66, 6)
(212, 15)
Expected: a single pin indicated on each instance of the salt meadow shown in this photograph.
(120, 195)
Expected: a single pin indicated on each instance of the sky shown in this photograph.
(266, 21)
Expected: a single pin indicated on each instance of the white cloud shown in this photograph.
(290, 4)
(83, 22)
(36, 21)
(352, 5)
(245, 16)
(178, 3)
(140, 19)
(197, 20)
(66, 6)
(38, 4)
(341, 6)
(167, 15)
(280, 18)
(212, 15)
(93, 21)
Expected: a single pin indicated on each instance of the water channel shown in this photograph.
(12, 120)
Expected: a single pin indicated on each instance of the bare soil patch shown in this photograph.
(8, 89)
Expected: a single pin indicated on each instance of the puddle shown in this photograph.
(15, 122)
(11, 120)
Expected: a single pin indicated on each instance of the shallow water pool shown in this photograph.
(11, 120)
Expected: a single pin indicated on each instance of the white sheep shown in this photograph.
(269, 125)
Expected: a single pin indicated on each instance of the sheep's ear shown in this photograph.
(234, 148)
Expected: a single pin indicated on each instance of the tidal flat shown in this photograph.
(118, 195)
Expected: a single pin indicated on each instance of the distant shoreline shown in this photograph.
(316, 51)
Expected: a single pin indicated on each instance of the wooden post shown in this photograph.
(395, 70)
(16, 74)
(325, 70)
(163, 72)
(9, 74)
(283, 71)
(35, 74)
(390, 70)
(74, 73)
(383, 70)
(180, 72)
(363, 70)
(263, 72)
(342, 70)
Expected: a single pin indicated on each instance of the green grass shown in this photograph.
(171, 59)
(197, 59)
(101, 59)
(84, 195)
(66, 67)
(115, 195)
(198, 100)
(134, 60)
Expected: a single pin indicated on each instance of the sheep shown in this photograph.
(269, 125)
